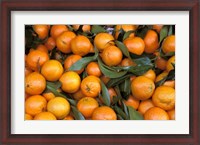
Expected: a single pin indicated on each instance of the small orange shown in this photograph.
(151, 41)
(56, 30)
(161, 76)
(103, 40)
(42, 48)
(80, 45)
(150, 74)
(127, 62)
(171, 114)
(69, 117)
(52, 70)
(27, 71)
(126, 28)
(169, 83)
(28, 117)
(35, 104)
(156, 113)
(48, 96)
(161, 63)
(41, 30)
(132, 78)
(157, 27)
(104, 79)
(45, 116)
(145, 105)
(169, 66)
(86, 106)
(93, 69)
(85, 28)
(142, 88)
(132, 101)
(90, 86)
(104, 113)
(50, 43)
(168, 44)
(35, 83)
(78, 95)
(112, 94)
(112, 56)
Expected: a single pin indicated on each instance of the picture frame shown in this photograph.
(77, 5)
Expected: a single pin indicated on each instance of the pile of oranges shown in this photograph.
(100, 72)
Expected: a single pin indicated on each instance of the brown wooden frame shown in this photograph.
(76, 5)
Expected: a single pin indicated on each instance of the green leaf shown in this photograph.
(55, 85)
(116, 81)
(70, 27)
(142, 61)
(126, 35)
(125, 88)
(170, 32)
(133, 114)
(77, 115)
(125, 108)
(120, 112)
(119, 117)
(163, 33)
(123, 48)
(141, 31)
(105, 94)
(161, 82)
(140, 70)
(97, 29)
(171, 75)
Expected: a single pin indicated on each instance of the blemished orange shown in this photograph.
(103, 40)
(150, 74)
(169, 66)
(50, 43)
(80, 45)
(160, 63)
(135, 45)
(93, 69)
(112, 56)
(42, 47)
(28, 117)
(48, 96)
(86, 106)
(169, 83)
(52, 70)
(56, 30)
(41, 30)
(127, 62)
(70, 82)
(69, 117)
(132, 101)
(142, 88)
(171, 114)
(59, 106)
(70, 60)
(126, 28)
(35, 83)
(90, 86)
(45, 116)
(157, 27)
(156, 113)
(164, 97)
(78, 95)
(85, 28)
(35, 104)
(168, 44)
(63, 41)
(151, 41)
(145, 105)
(161, 76)
(36, 58)
(104, 113)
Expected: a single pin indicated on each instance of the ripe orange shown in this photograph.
(28, 117)
(59, 106)
(103, 40)
(169, 66)
(41, 30)
(104, 79)
(70, 60)
(50, 43)
(168, 44)
(35, 83)
(63, 41)
(150, 74)
(86, 106)
(45, 116)
(80, 45)
(151, 41)
(52, 70)
(35, 104)
(112, 56)
(170, 83)
(164, 97)
(78, 95)
(157, 27)
(161, 63)
(126, 28)
(127, 62)
(145, 105)
(42, 47)
(85, 28)
(27, 71)
(161, 76)
(70, 82)
(156, 113)
(112, 94)
(142, 88)
(48, 96)
(132, 101)
(104, 113)
(171, 114)
(69, 117)
(93, 69)
(132, 78)
(135, 45)
(90, 86)
(56, 30)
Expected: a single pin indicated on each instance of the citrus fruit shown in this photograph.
(126, 28)
(85, 28)
(45, 116)
(104, 113)
(169, 66)
(50, 43)
(132, 101)
(56, 30)
(127, 62)
(93, 69)
(157, 27)
(156, 113)
(48, 96)
(171, 114)
(168, 44)
(28, 117)
(145, 105)
(150, 74)
(160, 63)
(151, 41)
(42, 48)
(78, 95)
(41, 30)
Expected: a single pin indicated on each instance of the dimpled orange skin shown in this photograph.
(93, 69)
(56, 30)
(45, 116)
(156, 113)
(168, 44)
(41, 30)
(151, 41)
(104, 113)
(164, 97)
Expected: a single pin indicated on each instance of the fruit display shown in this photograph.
(99, 72)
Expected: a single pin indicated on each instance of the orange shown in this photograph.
(132, 78)
(28, 117)
(69, 117)
(156, 113)
(161, 76)
(78, 95)
(104, 113)
(104, 79)
(93, 69)
(157, 27)
(160, 63)
(70, 82)
(135, 45)
(126, 28)
(170, 83)
(86, 106)
(48, 96)
(103, 40)
(112, 56)
(127, 62)
(132, 101)
(168, 44)
(169, 66)
(36, 58)
(164, 97)
(142, 88)
(35, 83)
(70, 60)
(41, 30)
(56, 30)
(27, 71)
(145, 105)
(45, 116)
(150, 74)
(171, 114)
(52, 70)
(63, 41)
(81, 45)
(50, 43)
(35, 104)
(42, 48)
(151, 41)
(85, 28)
(112, 94)
(59, 106)
(90, 86)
